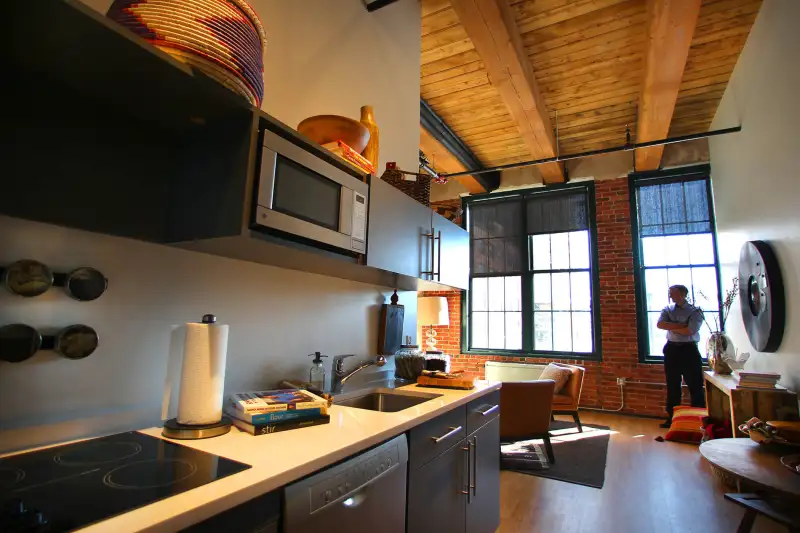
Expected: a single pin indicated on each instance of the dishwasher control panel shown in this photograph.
(346, 480)
(364, 469)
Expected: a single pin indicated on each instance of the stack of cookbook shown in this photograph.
(757, 380)
(264, 412)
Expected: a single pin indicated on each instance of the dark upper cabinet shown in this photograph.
(452, 257)
(407, 238)
(483, 506)
(397, 226)
(143, 146)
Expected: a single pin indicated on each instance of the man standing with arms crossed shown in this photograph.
(682, 359)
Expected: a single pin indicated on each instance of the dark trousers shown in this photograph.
(683, 360)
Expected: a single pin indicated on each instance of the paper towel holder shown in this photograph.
(175, 430)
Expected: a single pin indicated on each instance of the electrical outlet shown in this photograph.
(620, 381)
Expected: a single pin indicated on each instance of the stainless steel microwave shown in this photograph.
(301, 195)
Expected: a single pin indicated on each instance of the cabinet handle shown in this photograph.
(453, 431)
(439, 259)
(474, 466)
(469, 474)
(490, 410)
(432, 238)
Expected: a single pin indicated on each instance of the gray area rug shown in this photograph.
(580, 458)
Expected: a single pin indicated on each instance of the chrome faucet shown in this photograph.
(340, 377)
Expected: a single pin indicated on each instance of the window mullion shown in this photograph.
(505, 306)
(526, 283)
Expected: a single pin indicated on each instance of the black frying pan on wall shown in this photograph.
(31, 278)
(19, 342)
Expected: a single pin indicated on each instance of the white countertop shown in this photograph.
(281, 458)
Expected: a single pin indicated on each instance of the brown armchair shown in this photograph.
(525, 410)
(567, 400)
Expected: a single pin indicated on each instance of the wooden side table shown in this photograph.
(758, 466)
(781, 511)
(727, 401)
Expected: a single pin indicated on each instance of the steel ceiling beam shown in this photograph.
(433, 124)
(375, 5)
(626, 147)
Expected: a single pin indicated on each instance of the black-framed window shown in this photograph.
(533, 277)
(674, 243)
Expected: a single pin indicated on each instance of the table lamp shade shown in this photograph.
(433, 311)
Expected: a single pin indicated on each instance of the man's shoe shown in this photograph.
(667, 424)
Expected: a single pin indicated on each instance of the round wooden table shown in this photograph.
(756, 464)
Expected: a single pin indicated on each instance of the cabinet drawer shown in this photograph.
(436, 436)
(482, 411)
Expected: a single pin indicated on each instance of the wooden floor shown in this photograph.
(650, 486)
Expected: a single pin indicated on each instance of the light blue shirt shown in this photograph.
(688, 314)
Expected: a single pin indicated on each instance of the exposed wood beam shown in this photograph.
(670, 27)
(491, 27)
(436, 138)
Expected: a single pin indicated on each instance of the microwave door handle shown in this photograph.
(266, 182)
(347, 200)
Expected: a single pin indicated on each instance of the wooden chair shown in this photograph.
(567, 400)
(525, 410)
(781, 512)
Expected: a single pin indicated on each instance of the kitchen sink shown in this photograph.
(383, 400)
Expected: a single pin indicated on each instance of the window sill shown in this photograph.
(660, 361)
(539, 355)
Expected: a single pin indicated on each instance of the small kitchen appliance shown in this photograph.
(306, 198)
(202, 383)
(68, 487)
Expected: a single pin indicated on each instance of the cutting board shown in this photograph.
(390, 331)
(458, 383)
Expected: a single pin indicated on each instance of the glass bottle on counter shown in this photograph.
(316, 376)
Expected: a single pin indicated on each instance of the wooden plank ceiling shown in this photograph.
(588, 60)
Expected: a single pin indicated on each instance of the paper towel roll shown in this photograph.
(203, 374)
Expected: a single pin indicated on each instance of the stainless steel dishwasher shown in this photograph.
(366, 493)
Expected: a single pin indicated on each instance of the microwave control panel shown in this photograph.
(359, 234)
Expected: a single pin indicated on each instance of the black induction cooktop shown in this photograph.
(68, 487)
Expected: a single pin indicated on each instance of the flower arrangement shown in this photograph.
(725, 311)
(720, 351)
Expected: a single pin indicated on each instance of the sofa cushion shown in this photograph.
(558, 374)
(687, 424)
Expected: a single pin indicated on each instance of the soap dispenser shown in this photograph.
(316, 376)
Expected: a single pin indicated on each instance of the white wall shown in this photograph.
(276, 318)
(322, 57)
(756, 173)
(330, 57)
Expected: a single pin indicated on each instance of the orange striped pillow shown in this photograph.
(687, 424)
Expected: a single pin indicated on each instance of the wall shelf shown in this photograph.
(66, 42)
(106, 133)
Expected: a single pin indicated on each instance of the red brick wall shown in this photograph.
(617, 315)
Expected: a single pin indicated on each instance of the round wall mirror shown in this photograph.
(762, 296)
